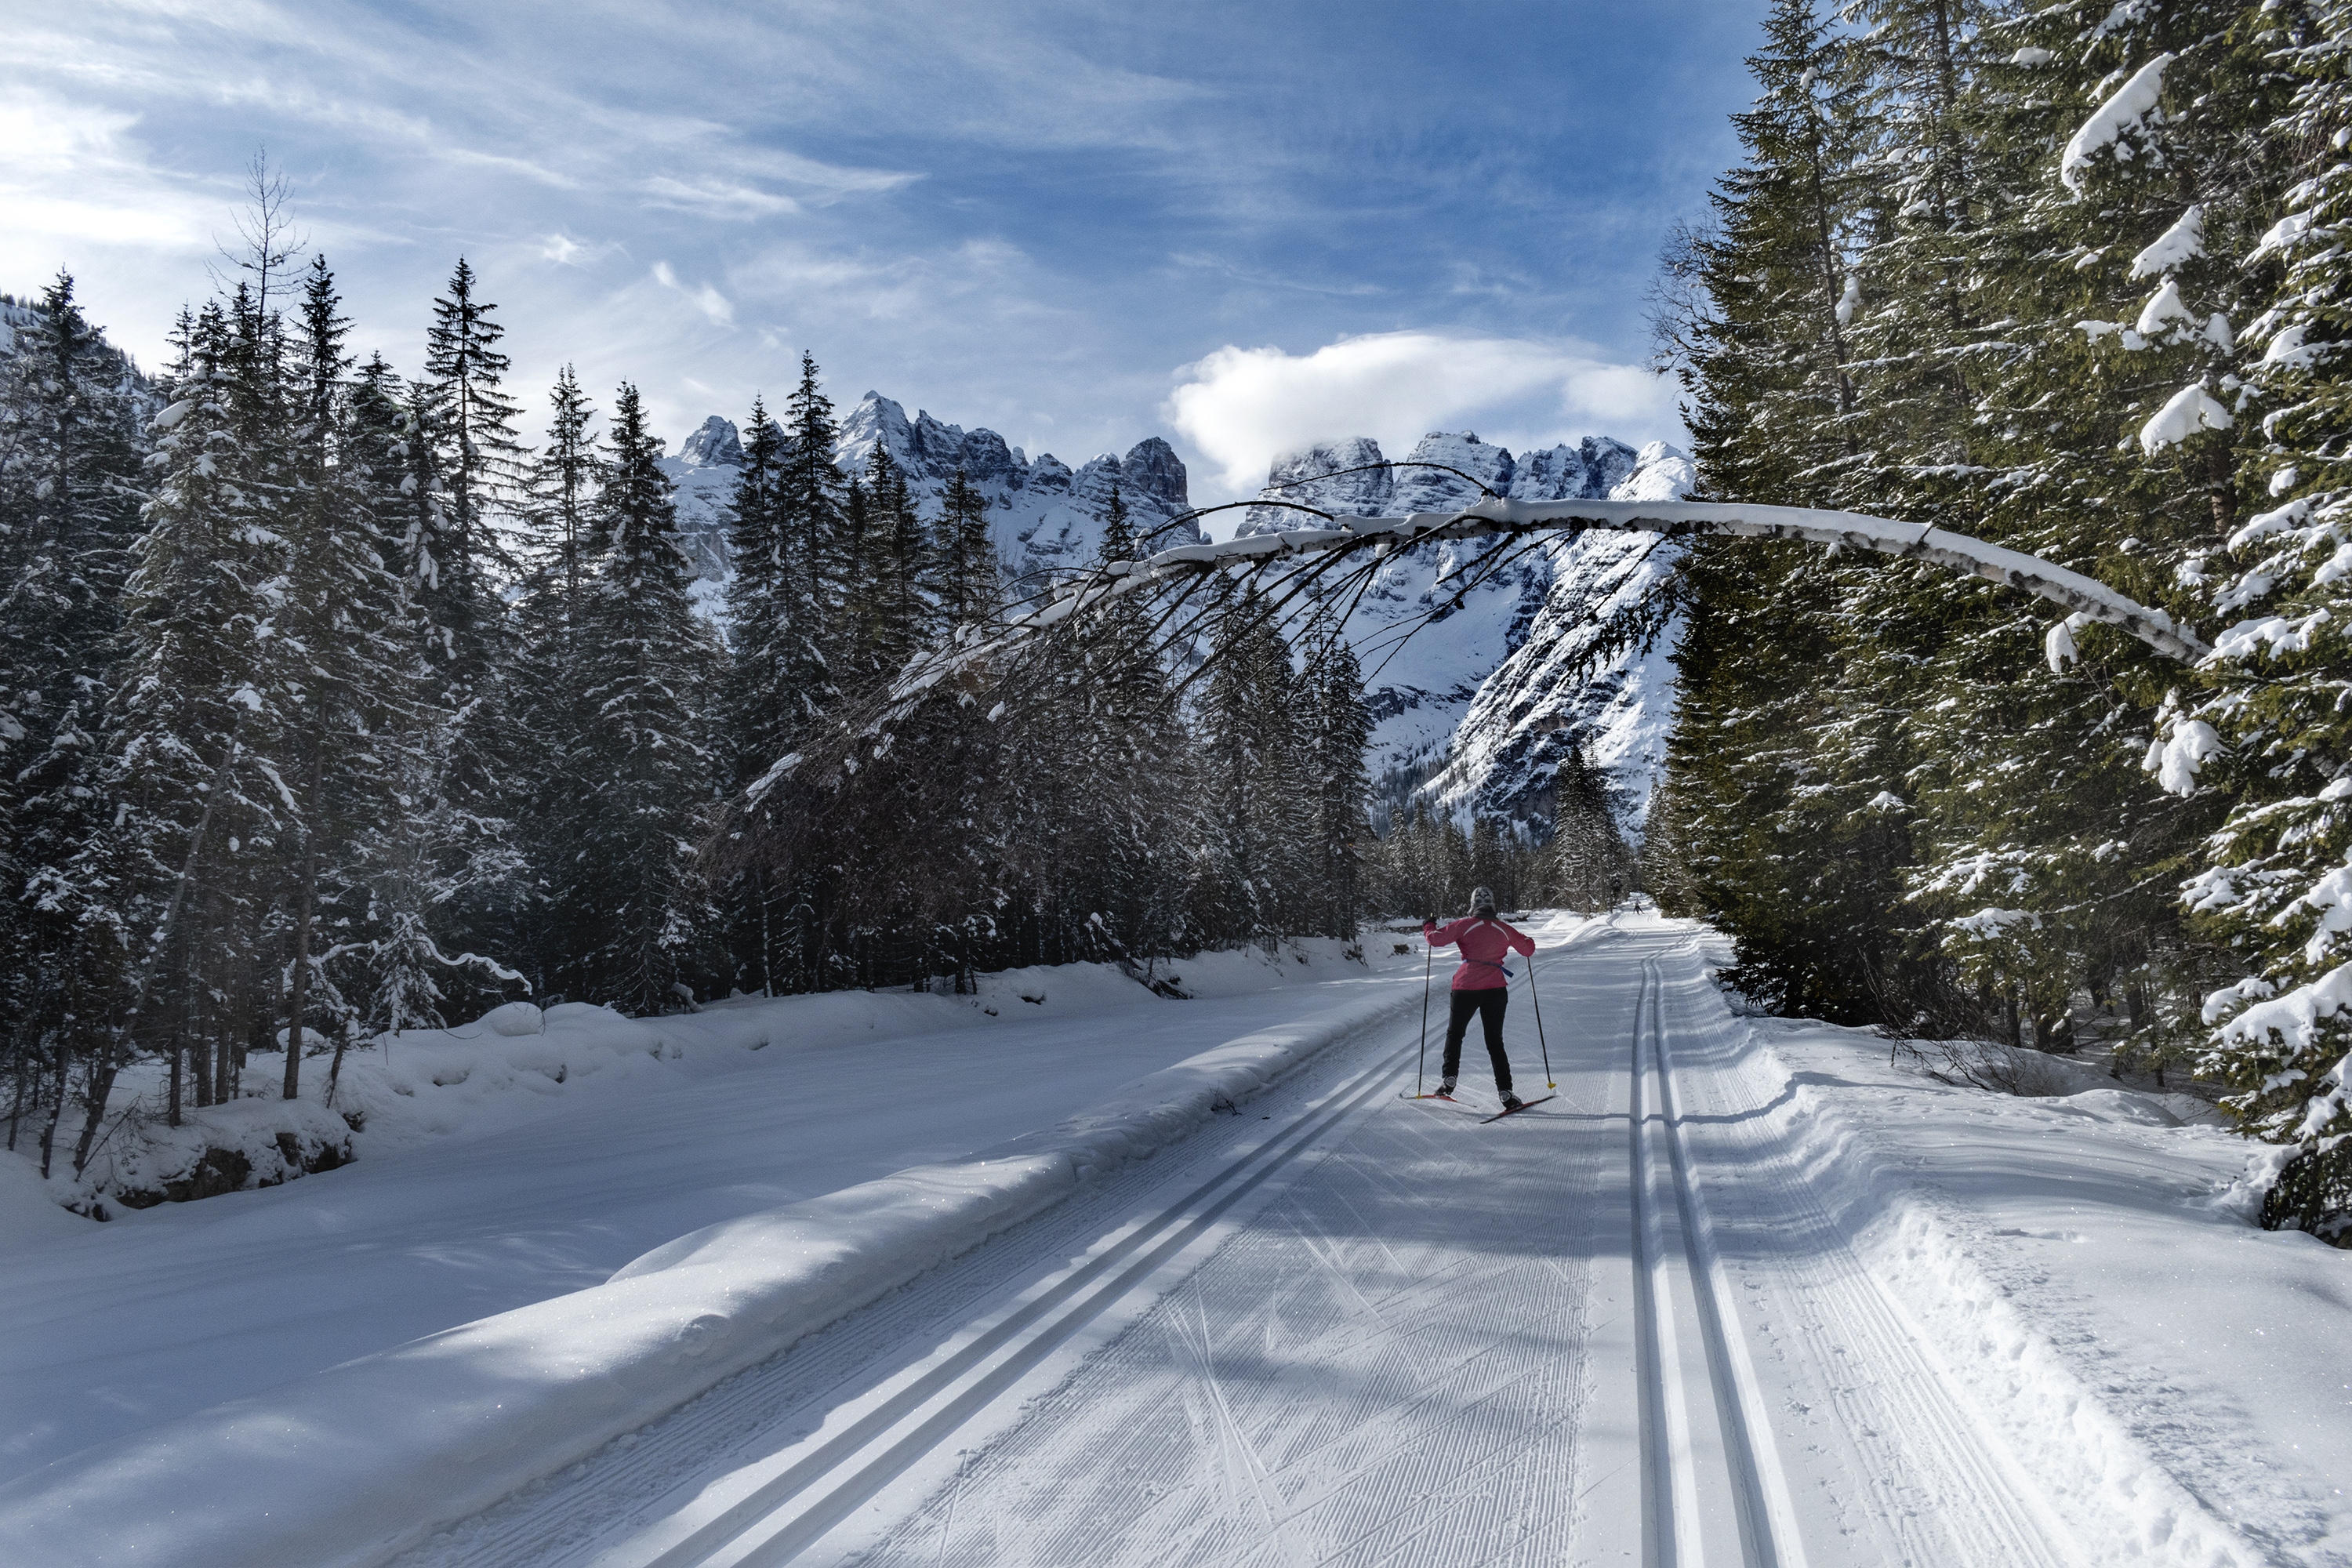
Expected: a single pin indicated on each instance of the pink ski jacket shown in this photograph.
(1484, 943)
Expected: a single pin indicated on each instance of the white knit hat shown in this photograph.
(1482, 901)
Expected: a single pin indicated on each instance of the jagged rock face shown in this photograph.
(714, 442)
(1046, 516)
(1476, 710)
(1370, 492)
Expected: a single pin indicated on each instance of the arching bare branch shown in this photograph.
(1378, 536)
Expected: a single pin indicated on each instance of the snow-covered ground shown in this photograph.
(496, 1171)
(1747, 1291)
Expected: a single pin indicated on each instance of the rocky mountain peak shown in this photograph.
(714, 445)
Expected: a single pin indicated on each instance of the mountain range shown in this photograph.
(1475, 710)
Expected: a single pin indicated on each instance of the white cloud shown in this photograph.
(718, 198)
(1242, 408)
(707, 300)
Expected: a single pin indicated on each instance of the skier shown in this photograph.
(1480, 985)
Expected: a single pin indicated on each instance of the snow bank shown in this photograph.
(518, 1064)
(1898, 1158)
(351, 1465)
(27, 1213)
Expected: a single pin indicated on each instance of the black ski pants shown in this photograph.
(1488, 1006)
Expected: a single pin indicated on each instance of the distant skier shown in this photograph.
(1479, 985)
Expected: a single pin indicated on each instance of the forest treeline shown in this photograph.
(331, 708)
(2072, 278)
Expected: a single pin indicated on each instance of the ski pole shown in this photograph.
(1428, 965)
(1538, 1001)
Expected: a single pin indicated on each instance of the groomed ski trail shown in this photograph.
(1631, 1328)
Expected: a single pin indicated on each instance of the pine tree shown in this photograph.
(338, 661)
(1341, 728)
(469, 468)
(1810, 885)
(905, 616)
(184, 789)
(70, 411)
(480, 466)
(810, 498)
(972, 580)
(1255, 816)
(561, 490)
(630, 884)
(2264, 727)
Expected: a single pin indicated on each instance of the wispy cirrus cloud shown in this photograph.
(1021, 217)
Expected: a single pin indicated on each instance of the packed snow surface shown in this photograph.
(494, 1171)
(1748, 1289)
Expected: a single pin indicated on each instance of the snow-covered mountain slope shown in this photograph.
(704, 472)
(1477, 708)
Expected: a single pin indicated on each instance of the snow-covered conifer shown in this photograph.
(628, 885)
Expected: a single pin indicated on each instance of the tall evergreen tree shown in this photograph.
(2266, 726)
(184, 790)
(972, 580)
(1341, 727)
(70, 443)
(340, 660)
(630, 884)
(811, 496)
(469, 468)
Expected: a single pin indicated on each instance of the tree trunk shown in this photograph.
(303, 897)
(101, 1090)
(57, 1109)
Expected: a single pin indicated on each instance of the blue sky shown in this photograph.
(1239, 225)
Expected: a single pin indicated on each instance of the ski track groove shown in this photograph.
(1983, 1508)
(571, 1516)
(1387, 1430)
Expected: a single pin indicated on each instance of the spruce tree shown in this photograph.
(339, 661)
(972, 580)
(191, 728)
(629, 884)
(71, 444)
(810, 499)
(2264, 727)
(469, 467)
(1341, 728)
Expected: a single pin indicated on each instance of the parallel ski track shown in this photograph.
(1670, 1538)
(1387, 1367)
(553, 1523)
(792, 1509)
(1934, 1484)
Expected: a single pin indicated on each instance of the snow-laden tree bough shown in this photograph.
(1345, 537)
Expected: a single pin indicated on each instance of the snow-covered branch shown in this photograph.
(2085, 597)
